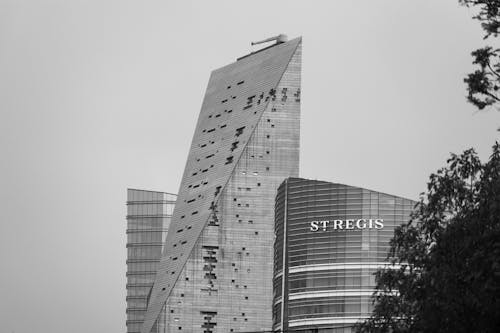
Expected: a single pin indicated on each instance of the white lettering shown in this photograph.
(314, 225)
(348, 224)
(325, 223)
(379, 223)
(361, 224)
(337, 224)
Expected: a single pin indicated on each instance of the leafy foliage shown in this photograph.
(484, 83)
(445, 274)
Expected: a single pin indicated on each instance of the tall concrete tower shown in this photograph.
(216, 271)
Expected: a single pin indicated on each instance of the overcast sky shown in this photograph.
(98, 96)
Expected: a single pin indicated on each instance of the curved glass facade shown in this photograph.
(330, 239)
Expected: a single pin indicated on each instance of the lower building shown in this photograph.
(148, 219)
(330, 240)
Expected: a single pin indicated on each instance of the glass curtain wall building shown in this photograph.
(330, 239)
(217, 268)
(148, 219)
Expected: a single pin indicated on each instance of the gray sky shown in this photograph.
(98, 96)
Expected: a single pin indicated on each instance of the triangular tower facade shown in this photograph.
(216, 271)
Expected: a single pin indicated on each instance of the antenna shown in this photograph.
(281, 38)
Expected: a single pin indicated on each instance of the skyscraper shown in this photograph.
(330, 240)
(216, 271)
(148, 218)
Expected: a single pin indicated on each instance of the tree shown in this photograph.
(445, 273)
(484, 83)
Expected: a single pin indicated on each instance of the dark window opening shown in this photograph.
(239, 131)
